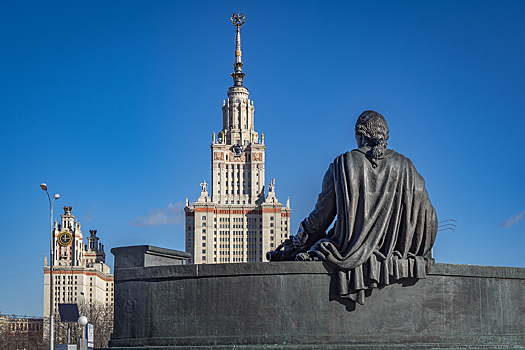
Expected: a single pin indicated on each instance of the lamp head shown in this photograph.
(43, 186)
(56, 196)
(82, 320)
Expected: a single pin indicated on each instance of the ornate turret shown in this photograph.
(237, 110)
(94, 250)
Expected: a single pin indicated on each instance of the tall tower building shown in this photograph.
(80, 273)
(237, 220)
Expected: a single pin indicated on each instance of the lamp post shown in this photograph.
(43, 186)
(83, 301)
(82, 320)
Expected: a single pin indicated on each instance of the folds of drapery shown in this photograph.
(385, 226)
(376, 273)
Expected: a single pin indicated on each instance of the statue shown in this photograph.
(385, 226)
(271, 186)
(204, 186)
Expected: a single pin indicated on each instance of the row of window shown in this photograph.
(238, 192)
(24, 327)
(239, 184)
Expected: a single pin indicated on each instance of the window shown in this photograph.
(204, 218)
(203, 238)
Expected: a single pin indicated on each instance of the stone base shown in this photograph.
(294, 305)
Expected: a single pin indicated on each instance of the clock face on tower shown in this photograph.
(65, 238)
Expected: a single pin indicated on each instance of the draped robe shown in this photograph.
(385, 227)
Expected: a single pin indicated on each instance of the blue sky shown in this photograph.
(113, 105)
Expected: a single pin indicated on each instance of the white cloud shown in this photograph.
(513, 220)
(89, 215)
(172, 214)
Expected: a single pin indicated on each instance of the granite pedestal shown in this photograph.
(294, 305)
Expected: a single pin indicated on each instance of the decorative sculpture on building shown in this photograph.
(271, 186)
(204, 186)
(386, 224)
(237, 150)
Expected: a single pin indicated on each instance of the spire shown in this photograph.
(238, 75)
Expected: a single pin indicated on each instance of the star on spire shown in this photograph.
(238, 20)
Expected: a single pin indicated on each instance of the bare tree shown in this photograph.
(98, 314)
(16, 334)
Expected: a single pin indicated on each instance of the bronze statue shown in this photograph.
(386, 225)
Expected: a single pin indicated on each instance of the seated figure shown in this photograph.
(385, 224)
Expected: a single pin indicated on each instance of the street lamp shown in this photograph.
(82, 320)
(43, 186)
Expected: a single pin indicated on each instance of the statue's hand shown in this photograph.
(305, 257)
(289, 251)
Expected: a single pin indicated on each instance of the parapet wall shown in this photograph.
(295, 305)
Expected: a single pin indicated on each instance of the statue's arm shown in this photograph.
(314, 227)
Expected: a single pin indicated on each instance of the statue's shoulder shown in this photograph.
(360, 155)
(349, 155)
(397, 157)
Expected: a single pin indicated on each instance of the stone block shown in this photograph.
(294, 305)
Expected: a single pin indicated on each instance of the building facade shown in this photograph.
(20, 332)
(80, 273)
(237, 220)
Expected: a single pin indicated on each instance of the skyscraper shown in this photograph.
(80, 272)
(237, 220)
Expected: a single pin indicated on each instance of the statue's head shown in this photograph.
(373, 128)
